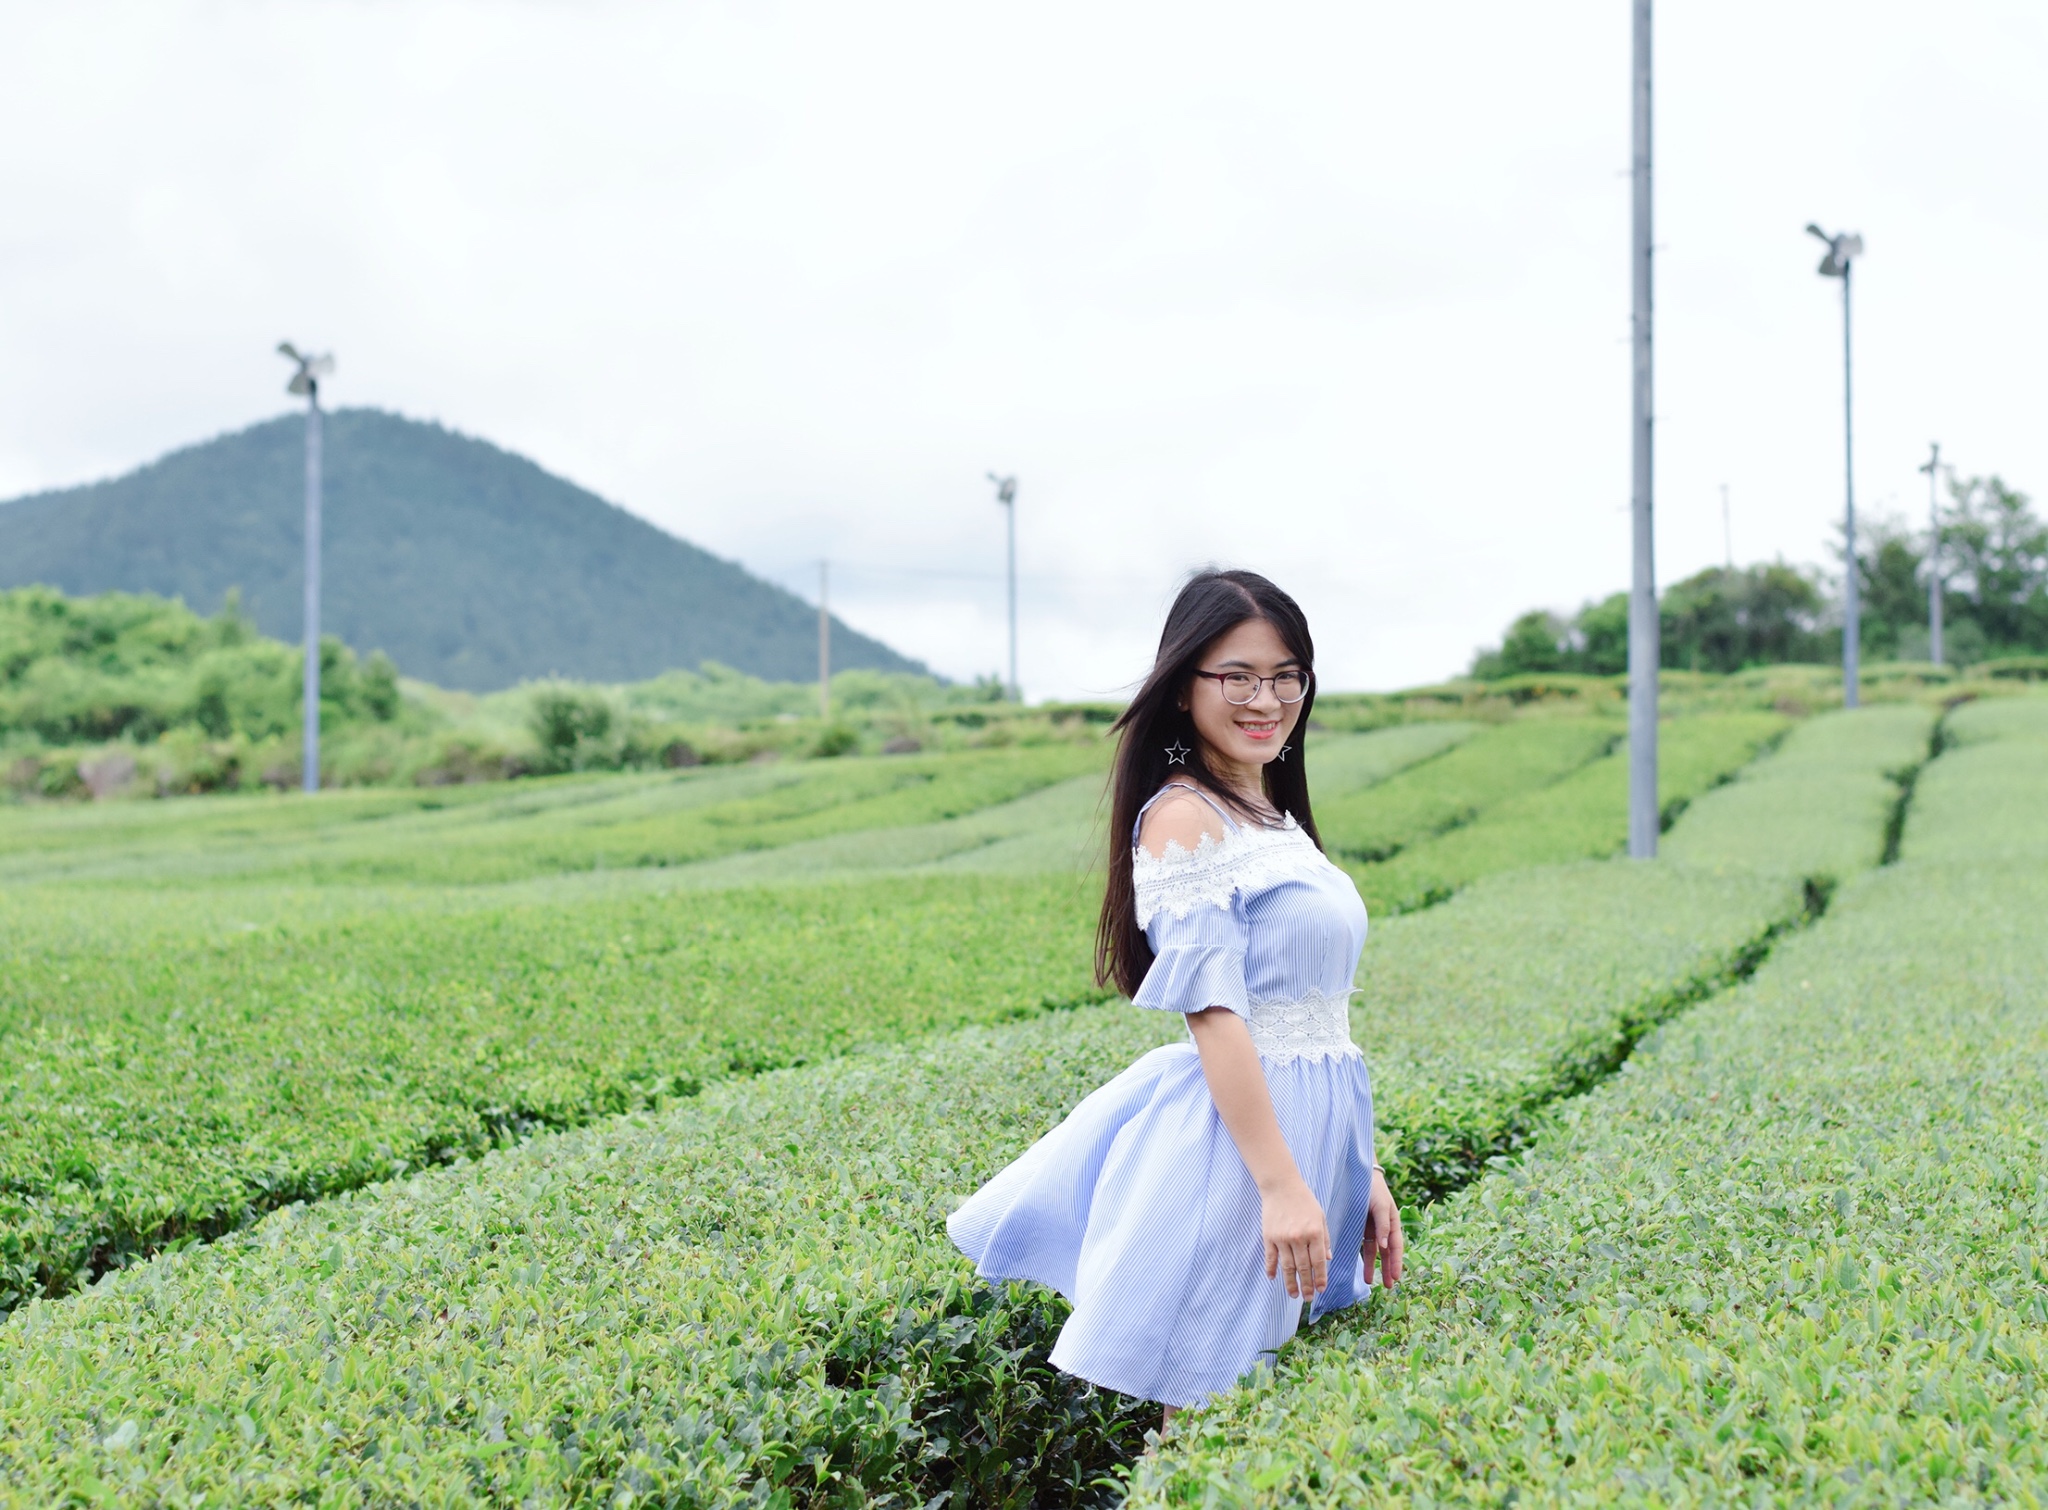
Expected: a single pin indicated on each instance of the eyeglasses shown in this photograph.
(1241, 687)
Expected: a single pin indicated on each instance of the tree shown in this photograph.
(1995, 551)
(1724, 620)
(1893, 589)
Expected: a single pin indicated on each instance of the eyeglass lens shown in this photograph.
(1241, 687)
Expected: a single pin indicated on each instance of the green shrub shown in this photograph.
(1818, 806)
(1582, 814)
(171, 1071)
(1986, 798)
(132, 667)
(1792, 1256)
(571, 823)
(1382, 820)
(749, 1292)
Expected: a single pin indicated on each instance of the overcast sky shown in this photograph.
(1337, 292)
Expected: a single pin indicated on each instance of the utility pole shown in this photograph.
(1933, 471)
(1006, 495)
(824, 642)
(1843, 250)
(1643, 627)
(306, 382)
(1727, 531)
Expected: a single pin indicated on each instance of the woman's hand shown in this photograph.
(1297, 1239)
(1382, 1233)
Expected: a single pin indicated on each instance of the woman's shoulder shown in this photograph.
(1195, 857)
(1179, 818)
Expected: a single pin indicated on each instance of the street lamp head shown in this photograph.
(1006, 489)
(1843, 249)
(310, 369)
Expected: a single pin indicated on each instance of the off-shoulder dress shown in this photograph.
(1138, 1207)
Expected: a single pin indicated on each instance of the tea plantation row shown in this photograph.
(753, 1290)
(181, 1058)
(1794, 1253)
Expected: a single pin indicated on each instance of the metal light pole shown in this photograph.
(1727, 531)
(1006, 495)
(824, 642)
(306, 381)
(1933, 471)
(1643, 626)
(1843, 250)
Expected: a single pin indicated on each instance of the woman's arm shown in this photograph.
(1296, 1233)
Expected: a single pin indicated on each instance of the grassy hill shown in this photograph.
(471, 567)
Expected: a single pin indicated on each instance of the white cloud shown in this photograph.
(1338, 292)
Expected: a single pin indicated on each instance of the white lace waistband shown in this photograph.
(1316, 1027)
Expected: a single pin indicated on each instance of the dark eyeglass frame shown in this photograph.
(1220, 678)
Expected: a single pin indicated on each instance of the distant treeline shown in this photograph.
(1994, 556)
(132, 694)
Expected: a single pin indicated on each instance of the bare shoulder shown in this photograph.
(1180, 817)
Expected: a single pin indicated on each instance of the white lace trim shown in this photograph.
(1246, 859)
(1317, 1027)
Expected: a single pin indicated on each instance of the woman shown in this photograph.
(1191, 1206)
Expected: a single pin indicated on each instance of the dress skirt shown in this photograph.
(1139, 1209)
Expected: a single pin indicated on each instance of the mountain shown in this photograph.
(470, 566)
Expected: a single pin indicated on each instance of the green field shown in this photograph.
(588, 1140)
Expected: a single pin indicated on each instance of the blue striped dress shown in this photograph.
(1138, 1207)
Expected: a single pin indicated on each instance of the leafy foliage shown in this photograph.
(120, 666)
(174, 1073)
(1994, 564)
(1819, 807)
(1792, 1254)
(749, 1292)
(1380, 821)
(753, 1289)
(747, 1289)
(1581, 814)
(1719, 619)
(467, 836)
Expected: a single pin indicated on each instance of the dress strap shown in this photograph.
(1229, 822)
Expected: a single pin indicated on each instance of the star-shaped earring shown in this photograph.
(1284, 749)
(1177, 753)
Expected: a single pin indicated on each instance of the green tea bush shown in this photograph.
(768, 1253)
(171, 1079)
(749, 1293)
(1819, 806)
(1792, 1254)
(753, 1290)
(1531, 986)
(469, 835)
(754, 1287)
(1987, 797)
(1340, 765)
(1382, 820)
(1058, 829)
(1581, 815)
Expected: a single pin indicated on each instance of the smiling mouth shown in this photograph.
(1259, 730)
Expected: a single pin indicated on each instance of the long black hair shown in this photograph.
(1211, 605)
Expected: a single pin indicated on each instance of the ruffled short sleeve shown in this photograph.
(1197, 961)
(1193, 916)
